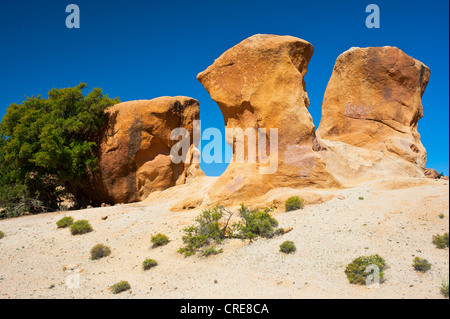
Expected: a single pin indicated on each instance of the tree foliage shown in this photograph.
(46, 145)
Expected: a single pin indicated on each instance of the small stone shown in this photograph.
(71, 267)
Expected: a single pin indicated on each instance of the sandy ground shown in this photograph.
(396, 219)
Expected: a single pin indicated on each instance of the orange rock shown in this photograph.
(431, 173)
(373, 101)
(134, 149)
(259, 83)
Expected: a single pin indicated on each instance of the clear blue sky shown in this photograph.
(145, 49)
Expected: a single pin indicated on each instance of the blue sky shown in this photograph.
(145, 49)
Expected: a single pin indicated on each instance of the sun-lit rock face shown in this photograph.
(368, 129)
(134, 149)
(373, 100)
(259, 84)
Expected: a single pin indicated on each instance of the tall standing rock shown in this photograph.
(373, 101)
(259, 84)
(134, 149)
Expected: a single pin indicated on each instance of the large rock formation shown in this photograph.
(368, 129)
(259, 84)
(134, 149)
(373, 101)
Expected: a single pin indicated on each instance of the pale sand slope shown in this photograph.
(397, 224)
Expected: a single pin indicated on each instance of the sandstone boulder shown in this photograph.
(134, 149)
(373, 101)
(259, 84)
(431, 173)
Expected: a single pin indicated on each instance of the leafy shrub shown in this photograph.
(206, 231)
(356, 270)
(120, 286)
(441, 241)
(288, 247)
(159, 240)
(100, 251)
(254, 223)
(64, 222)
(294, 203)
(420, 264)
(444, 287)
(361, 198)
(80, 227)
(149, 263)
(441, 216)
(2, 234)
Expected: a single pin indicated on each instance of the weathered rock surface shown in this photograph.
(259, 84)
(431, 173)
(368, 129)
(434, 174)
(353, 165)
(373, 101)
(134, 149)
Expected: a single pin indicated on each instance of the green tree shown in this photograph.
(47, 145)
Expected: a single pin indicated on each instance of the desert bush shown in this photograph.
(211, 250)
(159, 240)
(149, 263)
(294, 203)
(444, 287)
(100, 251)
(441, 241)
(420, 264)
(120, 286)
(15, 199)
(64, 222)
(441, 216)
(80, 227)
(254, 223)
(2, 234)
(356, 270)
(288, 247)
(205, 232)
